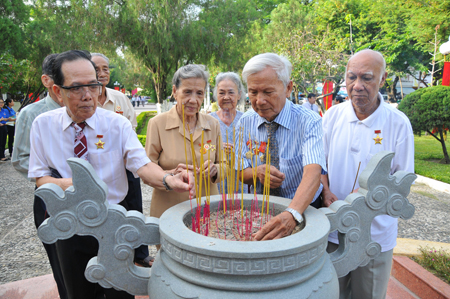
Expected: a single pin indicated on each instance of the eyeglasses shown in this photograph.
(78, 91)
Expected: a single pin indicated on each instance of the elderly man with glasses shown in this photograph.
(101, 137)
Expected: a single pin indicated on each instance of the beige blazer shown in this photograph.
(165, 146)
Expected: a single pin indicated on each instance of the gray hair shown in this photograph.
(278, 63)
(102, 56)
(233, 77)
(190, 71)
(383, 70)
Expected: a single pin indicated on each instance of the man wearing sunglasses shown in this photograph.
(101, 137)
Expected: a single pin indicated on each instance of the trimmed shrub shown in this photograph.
(142, 121)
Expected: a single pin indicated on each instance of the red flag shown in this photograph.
(327, 88)
(446, 74)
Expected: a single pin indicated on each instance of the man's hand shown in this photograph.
(276, 176)
(65, 183)
(62, 183)
(182, 182)
(278, 227)
(328, 198)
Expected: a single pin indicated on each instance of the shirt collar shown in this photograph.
(51, 103)
(174, 121)
(108, 97)
(283, 118)
(369, 121)
(67, 121)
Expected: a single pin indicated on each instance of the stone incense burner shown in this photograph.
(190, 265)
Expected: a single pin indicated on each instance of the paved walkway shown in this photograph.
(22, 255)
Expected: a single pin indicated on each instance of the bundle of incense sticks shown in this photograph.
(242, 220)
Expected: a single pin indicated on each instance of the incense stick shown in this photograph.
(357, 172)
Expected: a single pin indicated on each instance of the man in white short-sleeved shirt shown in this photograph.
(110, 140)
(353, 132)
(310, 104)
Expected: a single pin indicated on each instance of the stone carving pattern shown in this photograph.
(83, 209)
(251, 266)
(379, 194)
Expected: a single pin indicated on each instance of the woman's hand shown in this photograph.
(212, 169)
(182, 167)
(228, 147)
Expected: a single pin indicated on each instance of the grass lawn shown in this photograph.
(428, 153)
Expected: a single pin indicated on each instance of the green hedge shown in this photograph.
(142, 139)
(142, 121)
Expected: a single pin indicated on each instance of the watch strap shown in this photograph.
(165, 183)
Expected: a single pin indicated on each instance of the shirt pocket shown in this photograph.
(293, 171)
(373, 151)
(108, 165)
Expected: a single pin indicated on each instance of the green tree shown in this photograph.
(12, 71)
(14, 16)
(428, 109)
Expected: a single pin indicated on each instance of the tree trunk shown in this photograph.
(444, 148)
(401, 87)
(393, 91)
(160, 87)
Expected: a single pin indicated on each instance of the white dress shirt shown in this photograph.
(348, 141)
(310, 106)
(52, 143)
(119, 103)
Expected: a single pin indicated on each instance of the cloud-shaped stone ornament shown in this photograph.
(379, 194)
(83, 210)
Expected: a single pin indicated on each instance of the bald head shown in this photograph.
(376, 56)
(364, 76)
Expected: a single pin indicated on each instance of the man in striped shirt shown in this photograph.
(297, 156)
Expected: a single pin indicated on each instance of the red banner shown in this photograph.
(116, 87)
(327, 88)
(37, 100)
(123, 90)
(446, 74)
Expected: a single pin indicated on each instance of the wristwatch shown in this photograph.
(297, 216)
(164, 181)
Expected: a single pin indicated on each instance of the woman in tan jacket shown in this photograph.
(165, 143)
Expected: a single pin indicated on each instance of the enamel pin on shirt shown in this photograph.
(100, 143)
(119, 109)
(378, 138)
(206, 147)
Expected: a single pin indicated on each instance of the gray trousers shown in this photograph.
(368, 282)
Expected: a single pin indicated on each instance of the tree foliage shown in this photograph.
(428, 109)
(158, 36)
(14, 16)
